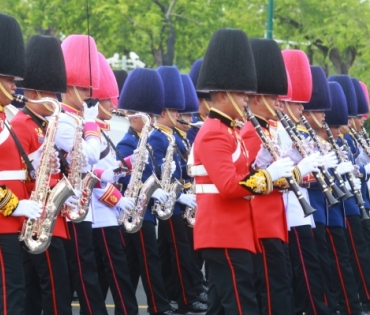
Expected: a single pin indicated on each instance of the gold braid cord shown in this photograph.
(258, 183)
(8, 201)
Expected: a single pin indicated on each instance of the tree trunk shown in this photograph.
(158, 56)
(170, 43)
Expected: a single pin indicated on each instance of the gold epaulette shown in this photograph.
(8, 201)
(258, 182)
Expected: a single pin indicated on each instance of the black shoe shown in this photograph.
(366, 307)
(203, 297)
(169, 312)
(195, 307)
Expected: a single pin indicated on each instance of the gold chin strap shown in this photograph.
(6, 93)
(104, 110)
(272, 112)
(353, 123)
(296, 120)
(169, 115)
(236, 107)
(206, 104)
(315, 120)
(49, 108)
(78, 95)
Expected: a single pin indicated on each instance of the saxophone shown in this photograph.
(189, 213)
(164, 211)
(142, 193)
(36, 234)
(79, 181)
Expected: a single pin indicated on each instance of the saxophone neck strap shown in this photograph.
(30, 169)
(42, 125)
(111, 144)
(156, 167)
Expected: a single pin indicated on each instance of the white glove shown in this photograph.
(362, 158)
(109, 176)
(344, 152)
(188, 200)
(357, 183)
(28, 208)
(263, 158)
(173, 167)
(330, 160)
(91, 113)
(310, 164)
(160, 195)
(136, 151)
(36, 160)
(126, 204)
(345, 167)
(294, 155)
(281, 168)
(72, 201)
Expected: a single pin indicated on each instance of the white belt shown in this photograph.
(198, 170)
(206, 189)
(13, 175)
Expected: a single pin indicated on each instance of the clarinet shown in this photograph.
(307, 209)
(361, 141)
(350, 177)
(365, 135)
(298, 144)
(343, 192)
(337, 192)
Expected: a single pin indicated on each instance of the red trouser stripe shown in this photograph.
(80, 269)
(122, 238)
(266, 279)
(52, 283)
(147, 271)
(113, 271)
(178, 262)
(339, 272)
(304, 271)
(5, 306)
(234, 281)
(357, 259)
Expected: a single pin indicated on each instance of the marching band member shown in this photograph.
(13, 193)
(46, 274)
(107, 202)
(308, 286)
(79, 249)
(272, 267)
(342, 276)
(143, 93)
(224, 180)
(359, 254)
(172, 237)
(204, 101)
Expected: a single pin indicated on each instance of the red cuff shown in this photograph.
(111, 197)
(128, 161)
(308, 179)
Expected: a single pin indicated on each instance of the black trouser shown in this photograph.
(172, 235)
(12, 286)
(344, 279)
(197, 261)
(231, 289)
(273, 278)
(309, 294)
(110, 249)
(47, 281)
(143, 260)
(82, 268)
(359, 256)
(366, 231)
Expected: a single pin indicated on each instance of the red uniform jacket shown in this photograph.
(268, 211)
(10, 161)
(224, 219)
(31, 137)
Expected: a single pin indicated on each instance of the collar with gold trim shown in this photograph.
(180, 132)
(71, 110)
(105, 126)
(133, 132)
(263, 122)
(225, 119)
(43, 122)
(164, 128)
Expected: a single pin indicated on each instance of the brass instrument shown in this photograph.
(302, 150)
(164, 211)
(350, 176)
(197, 124)
(142, 193)
(36, 234)
(79, 181)
(307, 209)
(338, 193)
(189, 213)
